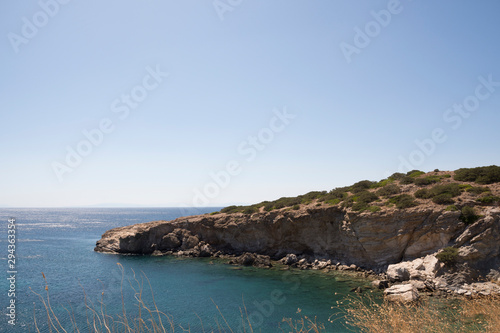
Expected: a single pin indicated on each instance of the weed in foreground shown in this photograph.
(437, 316)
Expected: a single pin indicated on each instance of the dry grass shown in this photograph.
(437, 316)
(147, 317)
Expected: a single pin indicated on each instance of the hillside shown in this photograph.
(453, 190)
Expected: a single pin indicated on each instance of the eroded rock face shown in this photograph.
(368, 240)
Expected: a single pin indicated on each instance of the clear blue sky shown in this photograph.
(359, 101)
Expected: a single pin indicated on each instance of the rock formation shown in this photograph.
(400, 242)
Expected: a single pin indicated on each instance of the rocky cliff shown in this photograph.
(366, 239)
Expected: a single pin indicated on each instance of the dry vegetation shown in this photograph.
(437, 316)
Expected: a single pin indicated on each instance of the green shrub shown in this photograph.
(468, 215)
(397, 176)
(480, 175)
(448, 256)
(333, 202)
(349, 201)
(477, 189)
(361, 186)
(279, 205)
(451, 208)
(382, 183)
(308, 197)
(366, 197)
(269, 206)
(414, 173)
(231, 209)
(423, 193)
(296, 207)
(359, 206)
(214, 213)
(427, 180)
(337, 193)
(443, 199)
(250, 210)
(452, 189)
(374, 209)
(407, 180)
(488, 200)
(465, 187)
(389, 190)
(403, 201)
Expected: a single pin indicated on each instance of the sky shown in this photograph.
(212, 103)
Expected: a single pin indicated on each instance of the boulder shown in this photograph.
(322, 264)
(418, 269)
(289, 259)
(252, 259)
(170, 242)
(380, 284)
(205, 250)
(402, 293)
(189, 242)
(419, 285)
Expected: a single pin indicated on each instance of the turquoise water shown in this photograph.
(60, 243)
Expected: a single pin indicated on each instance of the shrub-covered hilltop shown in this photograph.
(462, 189)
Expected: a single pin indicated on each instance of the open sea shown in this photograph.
(198, 294)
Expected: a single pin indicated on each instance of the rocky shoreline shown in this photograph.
(395, 248)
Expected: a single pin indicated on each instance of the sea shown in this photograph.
(53, 278)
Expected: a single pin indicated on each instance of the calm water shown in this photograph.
(60, 243)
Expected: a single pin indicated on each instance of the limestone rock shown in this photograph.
(419, 285)
(418, 269)
(403, 293)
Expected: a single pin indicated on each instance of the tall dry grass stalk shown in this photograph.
(147, 318)
(436, 316)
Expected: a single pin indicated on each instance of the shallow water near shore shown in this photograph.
(60, 243)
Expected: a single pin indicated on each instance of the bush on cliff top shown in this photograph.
(427, 180)
(389, 190)
(480, 175)
(403, 201)
(414, 173)
(361, 186)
